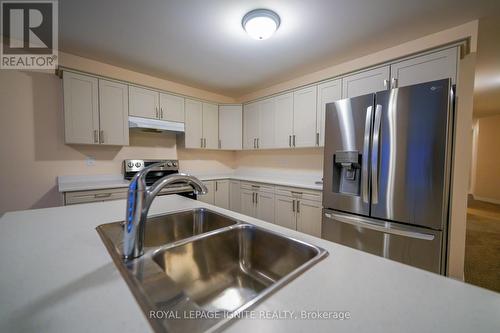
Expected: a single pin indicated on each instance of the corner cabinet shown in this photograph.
(230, 127)
(202, 125)
(95, 110)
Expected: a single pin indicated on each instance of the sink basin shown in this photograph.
(169, 228)
(203, 262)
(226, 270)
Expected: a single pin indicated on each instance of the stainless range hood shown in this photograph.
(154, 124)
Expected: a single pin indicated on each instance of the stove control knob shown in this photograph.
(174, 164)
(130, 164)
(169, 164)
(138, 164)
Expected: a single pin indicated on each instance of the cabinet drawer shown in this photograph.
(258, 187)
(77, 197)
(299, 193)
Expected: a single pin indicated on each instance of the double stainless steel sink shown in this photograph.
(202, 268)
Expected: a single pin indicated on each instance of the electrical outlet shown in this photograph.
(90, 161)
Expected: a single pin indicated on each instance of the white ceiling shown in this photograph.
(201, 42)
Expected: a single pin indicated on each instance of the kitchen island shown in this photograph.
(57, 276)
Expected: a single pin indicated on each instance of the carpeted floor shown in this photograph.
(482, 248)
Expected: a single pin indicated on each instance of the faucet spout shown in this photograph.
(139, 201)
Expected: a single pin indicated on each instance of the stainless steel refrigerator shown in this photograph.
(387, 170)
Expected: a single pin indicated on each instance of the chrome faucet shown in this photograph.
(139, 199)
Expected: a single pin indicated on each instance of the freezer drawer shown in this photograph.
(414, 246)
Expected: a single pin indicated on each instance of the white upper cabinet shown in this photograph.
(429, 67)
(193, 124)
(283, 120)
(328, 92)
(113, 113)
(211, 126)
(304, 117)
(81, 113)
(265, 139)
(366, 82)
(251, 113)
(230, 127)
(144, 103)
(171, 108)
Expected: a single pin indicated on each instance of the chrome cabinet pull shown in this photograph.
(364, 157)
(289, 141)
(298, 206)
(96, 136)
(317, 139)
(394, 83)
(102, 195)
(101, 136)
(216, 187)
(156, 112)
(161, 112)
(386, 84)
(293, 206)
(204, 142)
(375, 152)
(258, 146)
(294, 140)
(256, 198)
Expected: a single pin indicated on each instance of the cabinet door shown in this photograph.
(284, 208)
(172, 108)
(208, 198)
(327, 92)
(144, 102)
(235, 196)
(230, 126)
(81, 113)
(283, 120)
(265, 138)
(309, 217)
(222, 193)
(265, 206)
(250, 125)
(194, 124)
(211, 125)
(429, 67)
(113, 113)
(366, 82)
(304, 117)
(247, 202)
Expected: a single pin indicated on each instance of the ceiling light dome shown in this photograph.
(261, 24)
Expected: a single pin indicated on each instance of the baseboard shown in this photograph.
(490, 200)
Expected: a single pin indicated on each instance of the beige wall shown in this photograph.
(33, 152)
(487, 182)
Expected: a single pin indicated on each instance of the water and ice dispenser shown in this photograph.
(347, 172)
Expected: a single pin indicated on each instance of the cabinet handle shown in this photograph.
(256, 198)
(96, 136)
(317, 139)
(294, 140)
(394, 83)
(386, 84)
(102, 195)
(201, 142)
(289, 141)
(216, 187)
(156, 112)
(101, 136)
(253, 197)
(220, 144)
(254, 143)
(161, 112)
(298, 206)
(293, 205)
(205, 142)
(258, 143)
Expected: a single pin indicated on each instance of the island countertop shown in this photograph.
(56, 276)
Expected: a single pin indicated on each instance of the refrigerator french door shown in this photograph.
(387, 173)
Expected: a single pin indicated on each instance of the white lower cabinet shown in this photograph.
(257, 201)
(235, 195)
(208, 198)
(221, 193)
(308, 214)
(299, 210)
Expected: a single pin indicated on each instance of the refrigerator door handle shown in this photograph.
(377, 226)
(366, 149)
(375, 152)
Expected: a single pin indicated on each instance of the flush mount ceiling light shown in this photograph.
(260, 24)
